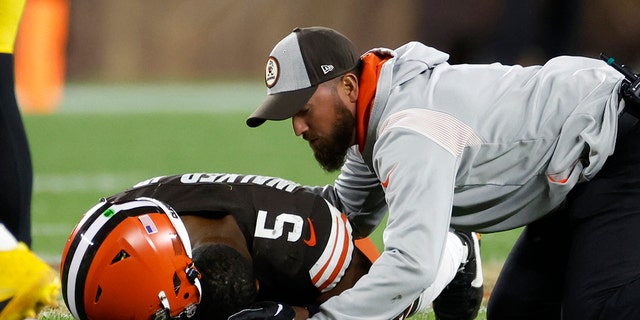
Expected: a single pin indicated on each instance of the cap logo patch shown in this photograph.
(326, 68)
(272, 72)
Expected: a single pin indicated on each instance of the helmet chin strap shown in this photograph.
(163, 313)
(193, 275)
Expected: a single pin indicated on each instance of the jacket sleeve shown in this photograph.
(419, 178)
(357, 192)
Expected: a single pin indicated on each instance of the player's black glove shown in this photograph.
(266, 310)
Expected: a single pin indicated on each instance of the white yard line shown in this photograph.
(104, 183)
(92, 182)
(161, 97)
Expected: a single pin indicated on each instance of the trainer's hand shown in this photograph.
(266, 310)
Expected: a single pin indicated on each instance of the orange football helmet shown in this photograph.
(129, 260)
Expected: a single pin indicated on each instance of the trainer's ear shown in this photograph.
(350, 83)
(257, 285)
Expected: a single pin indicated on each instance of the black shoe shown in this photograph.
(462, 297)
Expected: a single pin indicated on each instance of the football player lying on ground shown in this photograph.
(258, 242)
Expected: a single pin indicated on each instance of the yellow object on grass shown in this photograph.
(27, 284)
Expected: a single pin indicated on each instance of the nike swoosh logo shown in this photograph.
(385, 183)
(280, 308)
(312, 235)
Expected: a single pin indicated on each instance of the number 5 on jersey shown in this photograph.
(262, 231)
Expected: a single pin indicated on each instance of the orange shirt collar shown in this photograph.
(372, 65)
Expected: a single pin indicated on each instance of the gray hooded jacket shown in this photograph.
(477, 147)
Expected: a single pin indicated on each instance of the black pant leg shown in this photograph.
(603, 277)
(530, 284)
(16, 173)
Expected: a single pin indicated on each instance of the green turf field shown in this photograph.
(105, 138)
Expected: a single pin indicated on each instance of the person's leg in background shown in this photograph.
(603, 274)
(530, 284)
(16, 172)
(26, 282)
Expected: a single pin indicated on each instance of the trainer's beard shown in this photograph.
(331, 152)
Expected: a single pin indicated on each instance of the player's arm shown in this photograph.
(419, 191)
(358, 267)
(417, 259)
(357, 192)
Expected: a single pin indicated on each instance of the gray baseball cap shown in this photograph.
(297, 65)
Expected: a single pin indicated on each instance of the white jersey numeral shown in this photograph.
(262, 231)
